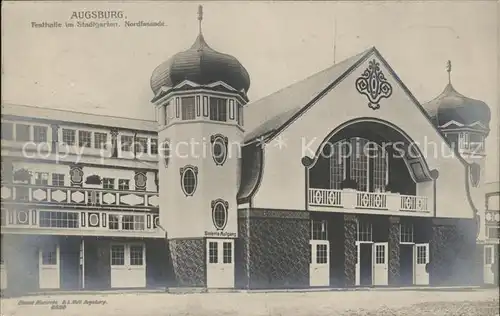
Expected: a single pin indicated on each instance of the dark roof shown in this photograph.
(266, 115)
(453, 106)
(203, 65)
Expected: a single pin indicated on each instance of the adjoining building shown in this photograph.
(343, 179)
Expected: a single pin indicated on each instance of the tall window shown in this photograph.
(58, 179)
(7, 131)
(319, 230)
(40, 134)
(108, 183)
(141, 145)
(84, 138)
(68, 136)
(406, 233)
(359, 163)
(337, 164)
(188, 108)
(22, 132)
(123, 184)
(41, 178)
(127, 142)
(218, 109)
(365, 231)
(379, 159)
(100, 140)
(117, 255)
(154, 146)
(136, 255)
(239, 114)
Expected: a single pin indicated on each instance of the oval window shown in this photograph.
(219, 149)
(219, 215)
(189, 180)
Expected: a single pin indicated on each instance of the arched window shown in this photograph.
(359, 160)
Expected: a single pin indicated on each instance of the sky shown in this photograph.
(107, 71)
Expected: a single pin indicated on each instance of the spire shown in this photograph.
(448, 69)
(200, 16)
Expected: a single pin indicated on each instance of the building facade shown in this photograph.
(343, 179)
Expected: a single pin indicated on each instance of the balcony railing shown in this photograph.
(78, 196)
(352, 199)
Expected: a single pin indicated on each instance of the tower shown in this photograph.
(465, 124)
(199, 96)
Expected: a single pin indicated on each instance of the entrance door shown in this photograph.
(489, 260)
(380, 263)
(220, 263)
(128, 265)
(48, 267)
(319, 269)
(421, 259)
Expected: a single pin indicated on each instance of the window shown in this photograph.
(421, 255)
(219, 149)
(493, 232)
(133, 222)
(364, 231)
(406, 233)
(239, 114)
(218, 109)
(22, 194)
(165, 151)
(100, 140)
(319, 230)
(321, 254)
(93, 198)
(59, 219)
(212, 252)
(154, 146)
(49, 255)
(227, 252)
(380, 254)
(359, 163)
(189, 180)
(188, 108)
(84, 138)
(117, 255)
(113, 221)
(41, 178)
(7, 131)
(58, 179)
(127, 142)
(379, 159)
(40, 134)
(68, 137)
(123, 184)
(488, 255)
(108, 183)
(219, 215)
(453, 140)
(337, 164)
(136, 255)
(22, 132)
(141, 145)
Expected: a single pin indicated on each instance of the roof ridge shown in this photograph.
(73, 111)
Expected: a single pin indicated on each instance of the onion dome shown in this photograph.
(202, 65)
(450, 105)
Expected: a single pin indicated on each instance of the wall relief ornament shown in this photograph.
(373, 85)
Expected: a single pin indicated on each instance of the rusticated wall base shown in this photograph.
(188, 259)
(274, 249)
(350, 249)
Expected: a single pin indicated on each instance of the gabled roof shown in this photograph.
(266, 115)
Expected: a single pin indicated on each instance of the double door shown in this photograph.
(128, 265)
(319, 267)
(372, 263)
(220, 263)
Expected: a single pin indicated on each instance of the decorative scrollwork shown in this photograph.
(373, 85)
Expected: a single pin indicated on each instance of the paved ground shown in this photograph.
(480, 302)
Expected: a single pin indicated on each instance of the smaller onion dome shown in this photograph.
(450, 105)
(202, 65)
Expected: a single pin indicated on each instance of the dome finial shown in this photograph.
(448, 69)
(200, 16)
